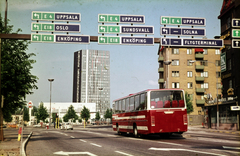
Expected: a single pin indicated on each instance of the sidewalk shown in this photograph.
(11, 146)
(201, 128)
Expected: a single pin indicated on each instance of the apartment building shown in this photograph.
(196, 70)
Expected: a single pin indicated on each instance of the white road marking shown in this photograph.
(123, 153)
(227, 147)
(66, 134)
(226, 151)
(68, 153)
(179, 149)
(170, 143)
(95, 145)
(112, 135)
(82, 140)
(215, 140)
(72, 137)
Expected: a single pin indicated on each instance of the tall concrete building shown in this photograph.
(91, 78)
(196, 70)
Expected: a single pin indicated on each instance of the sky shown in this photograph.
(132, 68)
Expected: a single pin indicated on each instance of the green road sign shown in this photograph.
(223, 62)
(109, 29)
(109, 18)
(42, 38)
(109, 40)
(236, 33)
(56, 16)
(171, 20)
(43, 27)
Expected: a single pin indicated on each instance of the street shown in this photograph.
(101, 140)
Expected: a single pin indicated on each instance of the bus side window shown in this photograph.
(127, 105)
(137, 102)
(142, 102)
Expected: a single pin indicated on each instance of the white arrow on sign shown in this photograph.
(165, 40)
(164, 19)
(236, 33)
(237, 43)
(102, 28)
(36, 15)
(102, 17)
(67, 153)
(36, 26)
(35, 37)
(236, 22)
(165, 30)
(102, 39)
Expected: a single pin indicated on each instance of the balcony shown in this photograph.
(199, 79)
(200, 90)
(160, 58)
(200, 102)
(199, 56)
(161, 69)
(161, 80)
(199, 67)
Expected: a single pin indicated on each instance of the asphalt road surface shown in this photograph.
(102, 141)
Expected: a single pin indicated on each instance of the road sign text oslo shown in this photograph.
(56, 16)
(168, 20)
(107, 18)
(50, 27)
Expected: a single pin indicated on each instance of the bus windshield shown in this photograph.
(167, 99)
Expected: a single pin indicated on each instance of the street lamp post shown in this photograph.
(193, 61)
(50, 80)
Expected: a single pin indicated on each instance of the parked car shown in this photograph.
(66, 126)
(38, 125)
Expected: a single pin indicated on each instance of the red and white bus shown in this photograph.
(153, 111)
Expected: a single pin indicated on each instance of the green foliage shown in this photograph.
(85, 113)
(17, 80)
(189, 103)
(42, 113)
(34, 110)
(97, 116)
(71, 114)
(108, 114)
(9, 118)
(26, 114)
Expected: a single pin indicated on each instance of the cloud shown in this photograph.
(153, 83)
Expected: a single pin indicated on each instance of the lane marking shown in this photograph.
(226, 151)
(179, 149)
(215, 140)
(72, 137)
(82, 140)
(123, 153)
(66, 134)
(95, 145)
(227, 147)
(170, 143)
(74, 153)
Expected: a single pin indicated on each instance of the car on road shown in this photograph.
(38, 125)
(66, 126)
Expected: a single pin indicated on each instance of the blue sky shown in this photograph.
(132, 68)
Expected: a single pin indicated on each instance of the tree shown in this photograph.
(16, 78)
(108, 114)
(42, 113)
(26, 114)
(189, 103)
(71, 114)
(85, 113)
(97, 117)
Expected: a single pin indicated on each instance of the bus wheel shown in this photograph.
(135, 132)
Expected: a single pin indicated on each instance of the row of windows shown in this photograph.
(190, 85)
(175, 51)
(189, 63)
(134, 103)
(190, 74)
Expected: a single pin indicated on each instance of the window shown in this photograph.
(137, 102)
(229, 64)
(143, 104)
(217, 51)
(204, 85)
(218, 74)
(131, 104)
(189, 74)
(175, 62)
(175, 85)
(175, 51)
(205, 63)
(190, 85)
(189, 51)
(189, 63)
(204, 74)
(218, 63)
(230, 83)
(175, 73)
(205, 52)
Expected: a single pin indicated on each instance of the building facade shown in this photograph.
(196, 70)
(91, 79)
(229, 119)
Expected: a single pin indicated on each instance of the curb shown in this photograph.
(23, 152)
(228, 132)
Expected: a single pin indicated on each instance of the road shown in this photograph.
(98, 141)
